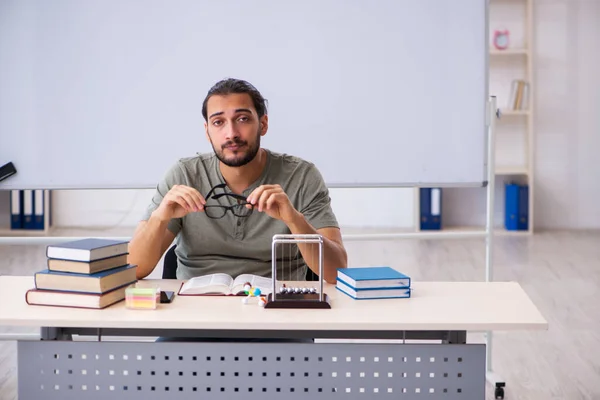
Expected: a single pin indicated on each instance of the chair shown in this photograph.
(170, 267)
(310, 275)
(170, 264)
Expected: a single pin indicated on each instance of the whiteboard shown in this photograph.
(108, 94)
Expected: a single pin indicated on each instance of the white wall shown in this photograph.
(567, 165)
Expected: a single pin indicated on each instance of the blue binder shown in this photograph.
(28, 209)
(38, 209)
(523, 223)
(430, 208)
(16, 209)
(516, 207)
(511, 206)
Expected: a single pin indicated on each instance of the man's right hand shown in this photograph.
(178, 202)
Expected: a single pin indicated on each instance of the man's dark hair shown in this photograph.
(231, 86)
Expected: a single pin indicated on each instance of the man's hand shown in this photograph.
(273, 200)
(178, 202)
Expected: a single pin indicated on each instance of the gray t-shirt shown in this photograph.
(236, 245)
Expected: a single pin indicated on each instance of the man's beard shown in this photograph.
(236, 161)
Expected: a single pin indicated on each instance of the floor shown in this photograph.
(560, 271)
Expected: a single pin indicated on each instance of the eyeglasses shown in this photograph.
(217, 211)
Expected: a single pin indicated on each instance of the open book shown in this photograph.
(223, 284)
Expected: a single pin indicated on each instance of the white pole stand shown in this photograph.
(492, 114)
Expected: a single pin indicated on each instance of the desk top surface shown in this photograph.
(468, 306)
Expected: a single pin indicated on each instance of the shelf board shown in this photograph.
(509, 112)
(506, 232)
(22, 232)
(511, 170)
(461, 229)
(497, 231)
(508, 52)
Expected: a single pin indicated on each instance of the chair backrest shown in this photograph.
(310, 275)
(170, 264)
(170, 267)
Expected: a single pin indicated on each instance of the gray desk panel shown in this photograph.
(182, 370)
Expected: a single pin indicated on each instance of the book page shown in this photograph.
(264, 284)
(213, 283)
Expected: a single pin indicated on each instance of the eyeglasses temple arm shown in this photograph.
(219, 186)
(235, 196)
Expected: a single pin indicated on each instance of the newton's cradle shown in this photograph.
(294, 296)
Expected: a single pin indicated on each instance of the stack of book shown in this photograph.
(373, 283)
(86, 273)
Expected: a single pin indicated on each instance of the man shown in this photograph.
(251, 194)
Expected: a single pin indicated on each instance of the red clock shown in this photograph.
(501, 39)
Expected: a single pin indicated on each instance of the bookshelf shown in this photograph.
(509, 52)
(514, 146)
(512, 170)
(6, 231)
(508, 113)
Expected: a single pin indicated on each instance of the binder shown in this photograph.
(516, 207)
(430, 208)
(424, 208)
(436, 208)
(28, 209)
(16, 209)
(38, 209)
(523, 221)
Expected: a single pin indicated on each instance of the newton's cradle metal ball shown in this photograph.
(297, 290)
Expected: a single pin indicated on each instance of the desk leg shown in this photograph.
(53, 333)
(498, 383)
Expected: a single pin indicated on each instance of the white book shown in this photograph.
(379, 293)
(223, 284)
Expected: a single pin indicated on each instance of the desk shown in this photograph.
(443, 311)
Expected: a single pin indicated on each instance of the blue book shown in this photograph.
(373, 277)
(87, 249)
(378, 293)
(100, 282)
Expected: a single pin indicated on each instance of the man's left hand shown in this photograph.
(273, 200)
